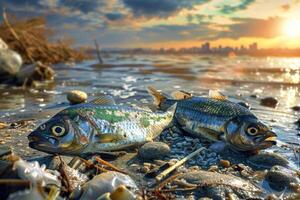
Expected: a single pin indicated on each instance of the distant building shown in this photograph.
(253, 47)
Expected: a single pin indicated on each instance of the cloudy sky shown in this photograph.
(169, 23)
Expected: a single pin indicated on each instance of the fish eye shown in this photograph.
(43, 127)
(58, 130)
(252, 130)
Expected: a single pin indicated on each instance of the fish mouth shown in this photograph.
(269, 140)
(39, 142)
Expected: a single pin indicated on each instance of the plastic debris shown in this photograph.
(36, 174)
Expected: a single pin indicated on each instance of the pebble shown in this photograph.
(280, 178)
(76, 96)
(154, 150)
(295, 108)
(213, 168)
(225, 163)
(269, 102)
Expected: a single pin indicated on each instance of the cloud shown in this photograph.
(114, 16)
(159, 8)
(228, 9)
(83, 5)
(251, 27)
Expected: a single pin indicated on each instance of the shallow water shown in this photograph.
(126, 77)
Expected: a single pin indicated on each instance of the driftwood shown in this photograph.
(178, 164)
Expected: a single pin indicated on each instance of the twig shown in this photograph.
(168, 180)
(13, 32)
(103, 162)
(15, 182)
(98, 52)
(90, 164)
(179, 163)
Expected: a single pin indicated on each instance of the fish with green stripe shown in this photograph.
(218, 120)
(98, 126)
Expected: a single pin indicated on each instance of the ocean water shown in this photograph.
(126, 77)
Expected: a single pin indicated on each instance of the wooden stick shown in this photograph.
(168, 180)
(179, 163)
(103, 162)
(15, 182)
(90, 164)
(98, 52)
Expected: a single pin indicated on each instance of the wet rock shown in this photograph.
(269, 102)
(296, 108)
(267, 161)
(280, 178)
(225, 163)
(76, 96)
(216, 185)
(154, 150)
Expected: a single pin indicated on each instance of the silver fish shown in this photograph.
(218, 120)
(98, 126)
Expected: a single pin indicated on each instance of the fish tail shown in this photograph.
(157, 96)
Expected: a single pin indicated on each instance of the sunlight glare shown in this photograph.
(291, 28)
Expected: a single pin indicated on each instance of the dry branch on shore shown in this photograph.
(34, 35)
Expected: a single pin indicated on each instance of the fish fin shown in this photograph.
(109, 137)
(215, 94)
(172, 109)
(103, 100)
(180, 95)
(157, 96)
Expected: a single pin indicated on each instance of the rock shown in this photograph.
(295, 108)
(280, 178)
(10, 62)
(154, 150)
(267, 161)
(76, 96)
(269, 102)
(225, 163)
(217, 185)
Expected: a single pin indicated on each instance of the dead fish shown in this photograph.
(218, 120)
(98, 126)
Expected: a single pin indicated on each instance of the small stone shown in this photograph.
(76, 96)
(280, 178)
(295, 108)
(213, 168)
(154, 150)
(225, 163)
(145, 169)
(269, 102)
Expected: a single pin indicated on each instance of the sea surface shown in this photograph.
(126, 77)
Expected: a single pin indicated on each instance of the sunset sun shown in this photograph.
(291, 28)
